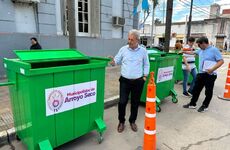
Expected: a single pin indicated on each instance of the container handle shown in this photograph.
(7, 83)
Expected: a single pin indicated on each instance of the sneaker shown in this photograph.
(189, 106)
(186, 94)
(202, 109)
(190, 92)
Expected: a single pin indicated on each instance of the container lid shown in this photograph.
(155, 51)
(50, 55)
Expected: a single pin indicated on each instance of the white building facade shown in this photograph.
(46, 20)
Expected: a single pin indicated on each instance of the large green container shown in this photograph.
(164, 67)
(56, 96)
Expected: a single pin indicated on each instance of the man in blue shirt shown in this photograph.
(210, 60)
(134, 62)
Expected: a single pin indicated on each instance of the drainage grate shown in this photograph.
(6, 121)
(2, 125)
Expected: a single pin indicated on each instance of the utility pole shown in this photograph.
(71, 23)
(163, 21)
(185, 33)
(168, 24)
(153, 24)
(189, 21)
(144, 24)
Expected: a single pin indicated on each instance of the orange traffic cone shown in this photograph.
(227, 87)
(150, 116)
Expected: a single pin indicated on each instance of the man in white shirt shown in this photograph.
(134, 62)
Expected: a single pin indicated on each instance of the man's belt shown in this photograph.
(190, 62)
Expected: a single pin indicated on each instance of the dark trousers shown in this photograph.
(203, 80)
(127, 87)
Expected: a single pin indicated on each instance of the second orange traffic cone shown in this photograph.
(226, 95)
(150, 116)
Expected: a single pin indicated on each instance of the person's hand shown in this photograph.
(111, 57)
(112, 62)
(188, 68)
(144, 78)
(209, 71)
(180, 52)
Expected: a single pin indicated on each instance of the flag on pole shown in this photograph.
(145, 5)
(140, 5)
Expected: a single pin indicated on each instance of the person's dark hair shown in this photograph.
(34, 38)
(202, 40)
(191, 39)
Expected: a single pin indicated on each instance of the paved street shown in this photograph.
(177, 128)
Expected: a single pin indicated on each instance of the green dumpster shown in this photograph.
(164, 67)
(56, 96)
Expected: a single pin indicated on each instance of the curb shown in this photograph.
(3, 138)
(110, 102)
(222, 98)
(226, 56)
(10, 134)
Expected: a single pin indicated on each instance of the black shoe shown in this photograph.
(189, 106)
(202, 109)
(190, 92)
(186, 94)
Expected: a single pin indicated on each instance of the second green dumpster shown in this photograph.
(164, 68)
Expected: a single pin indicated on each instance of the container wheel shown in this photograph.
(174, 100)
(158, 109)
(100, 138)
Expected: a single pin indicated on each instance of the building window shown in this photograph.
(144, 41)
(82, 15)
(83, 11)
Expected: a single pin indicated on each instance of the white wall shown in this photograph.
(25, 18)
(58, 18)
(209, 29)
(117, 11)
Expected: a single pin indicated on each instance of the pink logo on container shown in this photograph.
(55, 100)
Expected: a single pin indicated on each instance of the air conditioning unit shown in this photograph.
(26, 1)
(118, 21)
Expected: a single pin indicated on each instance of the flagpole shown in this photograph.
(153, 13)
(186, 24)
(144, 23)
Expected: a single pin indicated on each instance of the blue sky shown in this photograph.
(181, 9)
